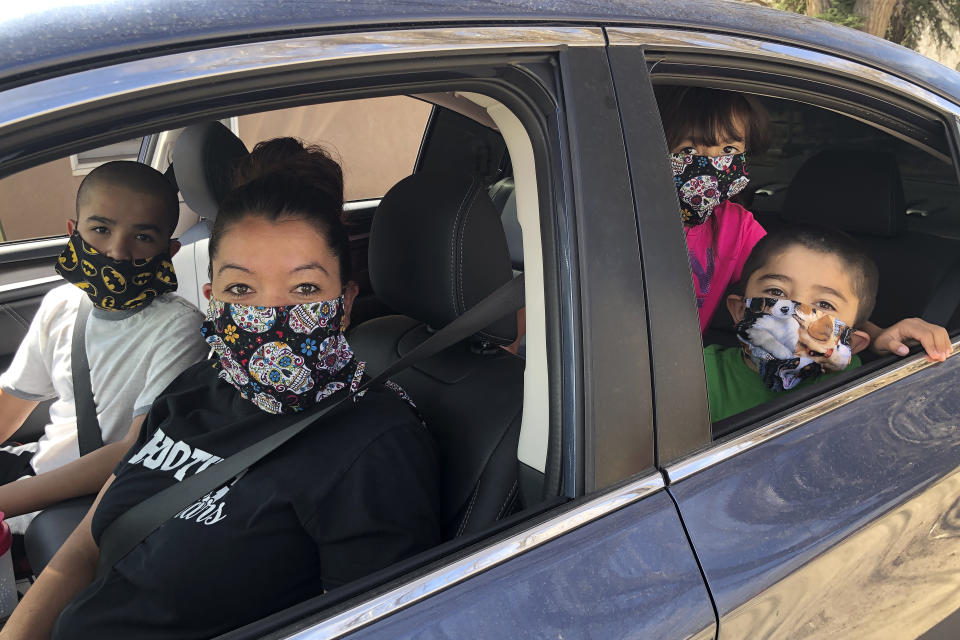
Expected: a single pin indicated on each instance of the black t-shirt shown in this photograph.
(347, 496)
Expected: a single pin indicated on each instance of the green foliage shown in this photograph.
(908, 23)
(796, 6)
(909, 20)
(841, 12)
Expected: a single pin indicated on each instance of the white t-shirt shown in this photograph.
(133, 356)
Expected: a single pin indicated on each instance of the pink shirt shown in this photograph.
(715, 265)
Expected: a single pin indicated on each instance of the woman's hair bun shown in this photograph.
(294, 160)
(284, 178)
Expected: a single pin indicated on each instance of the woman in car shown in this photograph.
(351, 494)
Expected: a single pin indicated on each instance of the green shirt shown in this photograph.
(732, 386)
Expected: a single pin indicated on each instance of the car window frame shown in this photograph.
(685, 444)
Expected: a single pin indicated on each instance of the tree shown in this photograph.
(902, 21)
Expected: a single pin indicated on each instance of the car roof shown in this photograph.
(52, 39)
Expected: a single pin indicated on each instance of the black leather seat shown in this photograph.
(50, 529)
(861, 193)
(437, 247)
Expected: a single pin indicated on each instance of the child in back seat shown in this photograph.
(803, 295)
(138, 338)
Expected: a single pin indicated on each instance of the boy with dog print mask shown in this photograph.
(804, 292)
(138, 338)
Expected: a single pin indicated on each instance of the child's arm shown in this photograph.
(69, 572)
(79, 478)
(933, 338)
(13, 412)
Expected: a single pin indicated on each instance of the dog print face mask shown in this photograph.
(115, 285)
(789, 341)
(703, 182)
(283, 359)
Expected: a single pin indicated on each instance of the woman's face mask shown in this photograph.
(115, 285)
(704, 182)
(789, 341)
(283, 359)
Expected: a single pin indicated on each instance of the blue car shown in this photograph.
(586, 492)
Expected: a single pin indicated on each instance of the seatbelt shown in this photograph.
(945, 298)
(135, 524)
(88, 426)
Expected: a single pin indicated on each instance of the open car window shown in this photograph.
(904, 216)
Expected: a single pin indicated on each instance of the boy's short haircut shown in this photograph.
(863, 270)
(135, 176)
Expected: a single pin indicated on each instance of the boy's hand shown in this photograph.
(933, 338)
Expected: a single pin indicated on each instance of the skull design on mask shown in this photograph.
(333, 351)
(306, 318)
(253, 319)
(737, 186)
(230, 368)
(720, 163)
(701, 192)
(679, 162)
(276, 365)
(267, 402)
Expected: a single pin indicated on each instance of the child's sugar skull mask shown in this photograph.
(704, 182)
(789, 341)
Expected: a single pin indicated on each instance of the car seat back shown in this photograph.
(862, 194)
(437, 247)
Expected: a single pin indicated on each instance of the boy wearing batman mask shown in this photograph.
(804, 292)
(139, 336)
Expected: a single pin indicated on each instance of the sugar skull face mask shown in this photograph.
(115, 285)
(789, 341)
(703, 182)
(283, 359)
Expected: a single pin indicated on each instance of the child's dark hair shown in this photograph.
(283, 179)
(705, 116)
(137, 177)
(862, 268)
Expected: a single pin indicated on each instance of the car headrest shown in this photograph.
(437, 248)
(854, 190)
(505, 200)
(204, 158)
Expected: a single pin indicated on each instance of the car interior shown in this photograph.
(458, 206)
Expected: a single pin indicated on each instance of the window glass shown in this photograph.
(38, 201)
(376, 140)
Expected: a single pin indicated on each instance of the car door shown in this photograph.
(834, 516)
(600, 547)
(614, 562)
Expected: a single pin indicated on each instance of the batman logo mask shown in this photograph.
(116, 285)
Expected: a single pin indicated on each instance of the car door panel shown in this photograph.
(629, 574)
(847, 524)
(17, 308)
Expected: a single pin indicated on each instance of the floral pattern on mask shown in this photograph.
(789, 341)
(704, 182)
(115, 285)
(283, 359)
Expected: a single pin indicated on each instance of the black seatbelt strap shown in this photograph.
(945, 298)
(88, 426)
(135, 524)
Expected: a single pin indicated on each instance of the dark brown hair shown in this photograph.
(284, 179)
(862, 269)
(705, 116)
